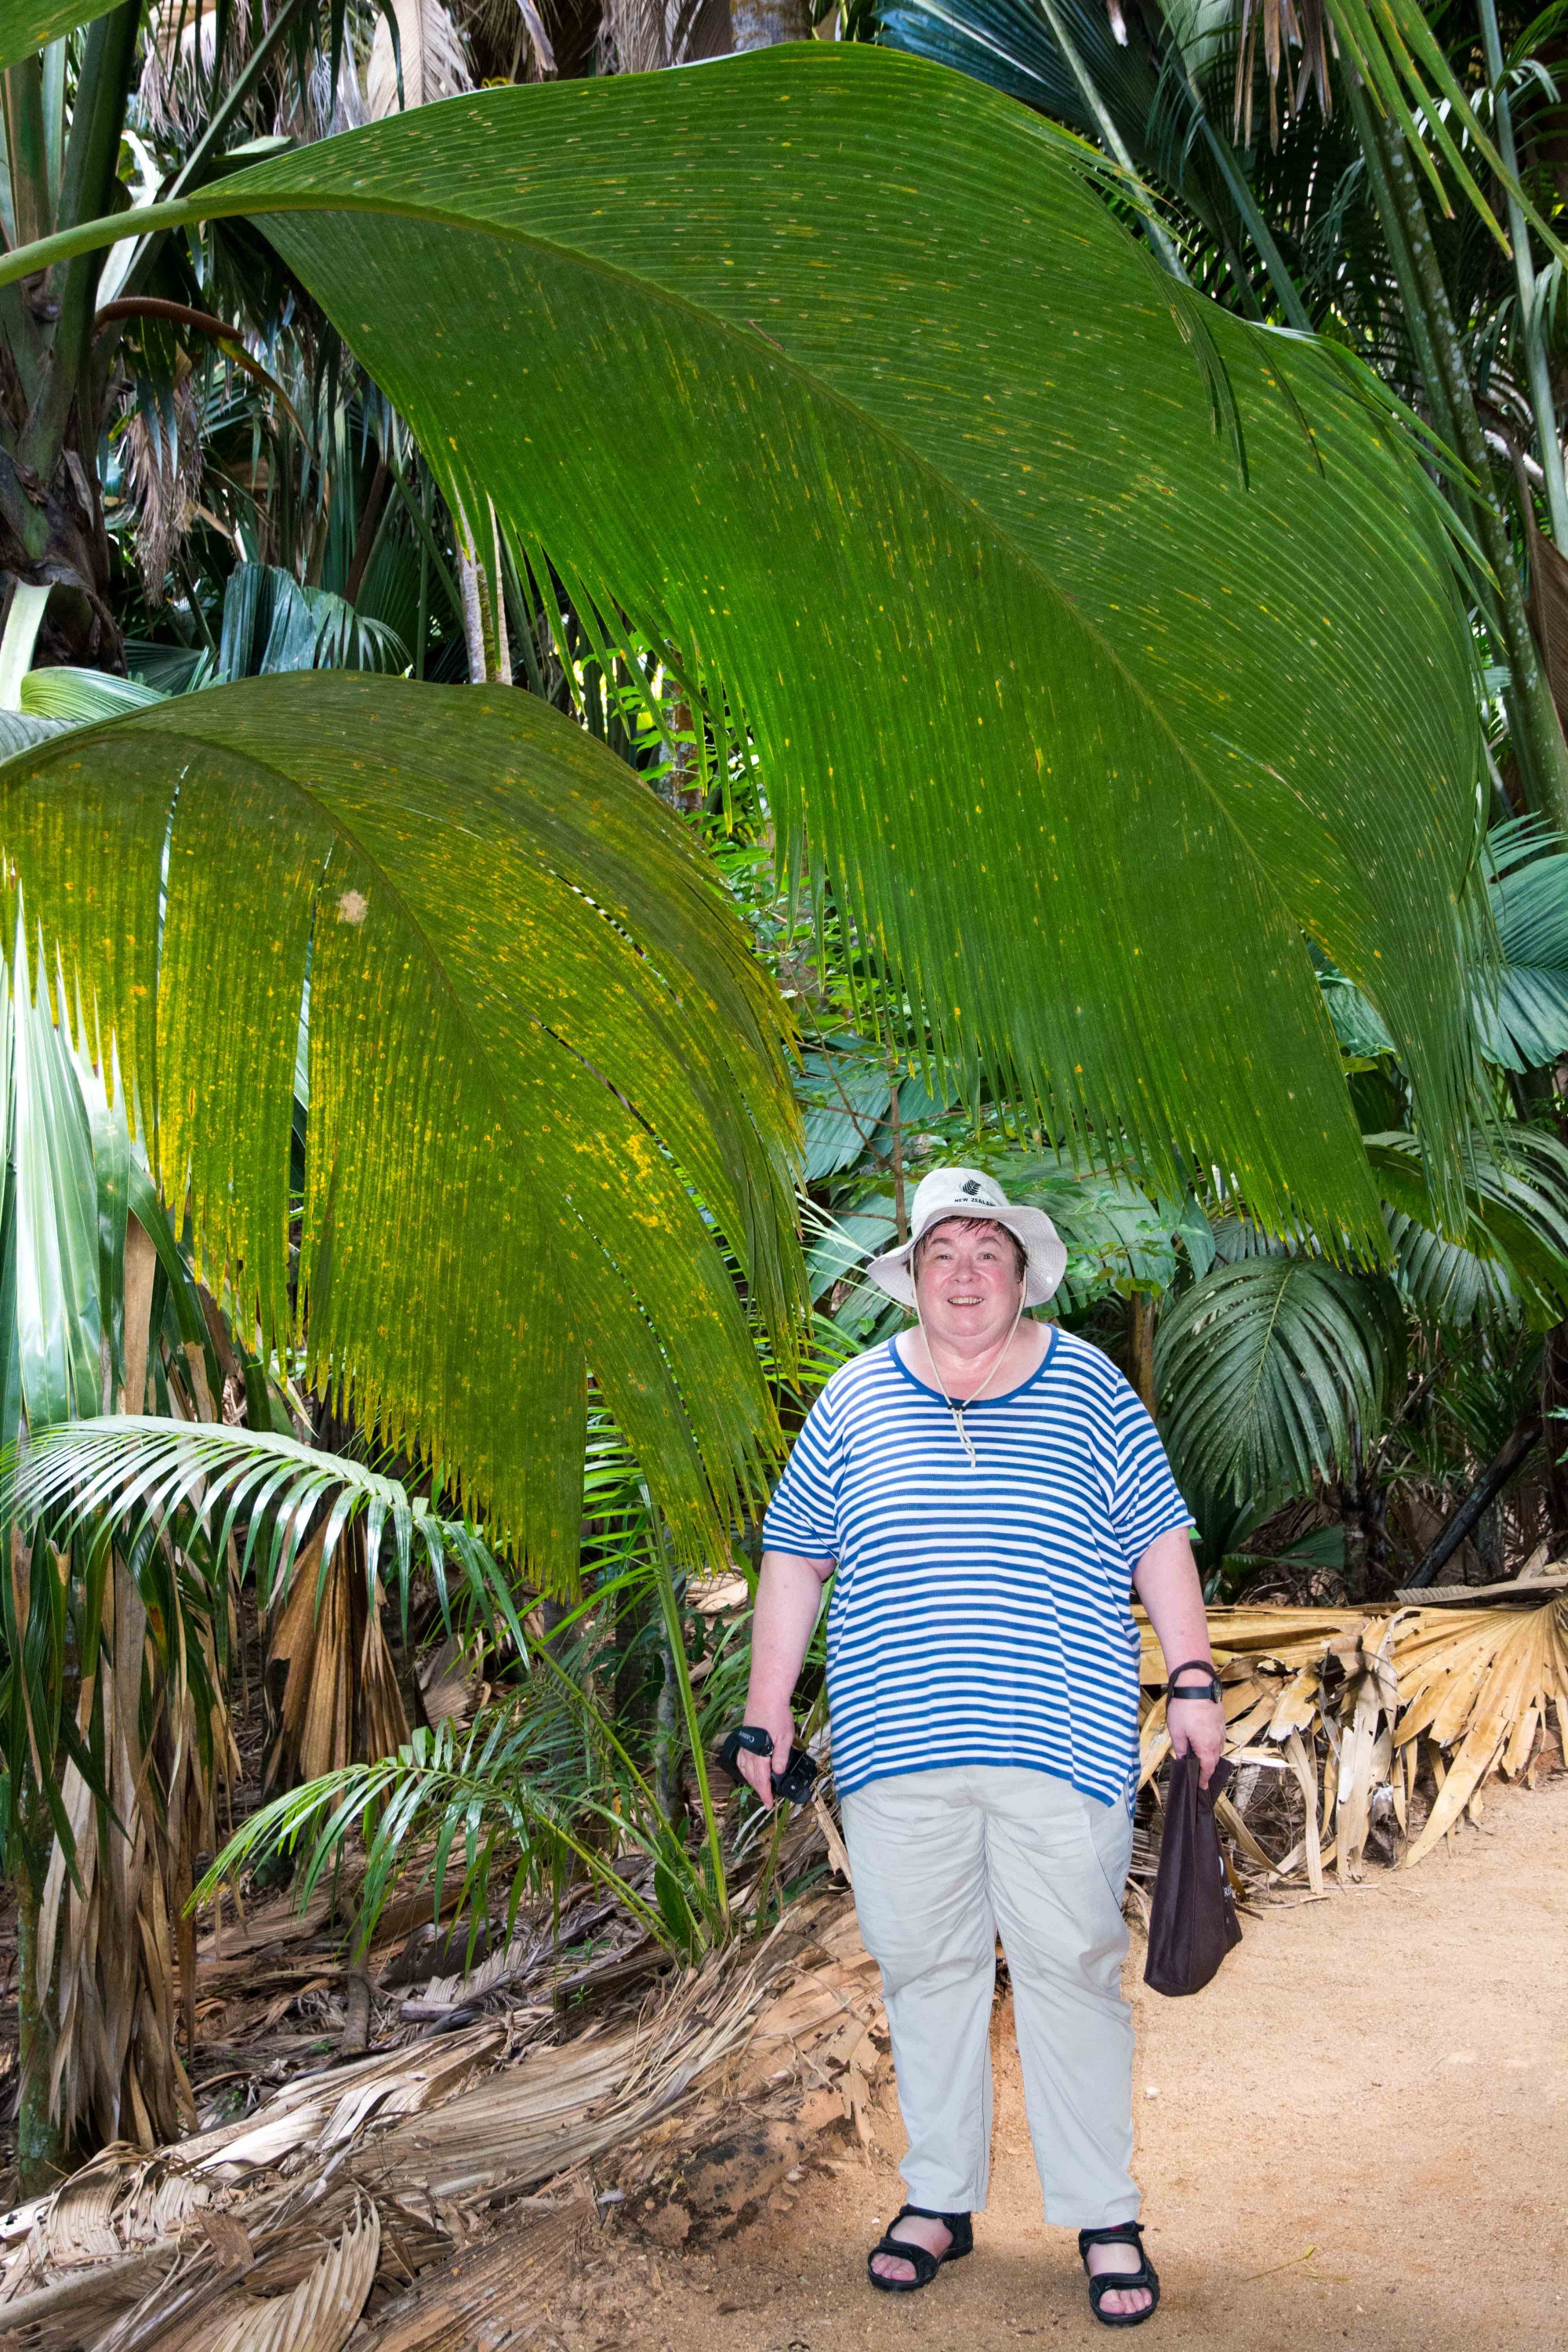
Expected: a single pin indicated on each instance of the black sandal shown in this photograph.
(925, 2265)
(1121, 2234)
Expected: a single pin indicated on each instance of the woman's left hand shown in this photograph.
(1197, 1724)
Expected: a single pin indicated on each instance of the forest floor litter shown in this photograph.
(1358, 2134)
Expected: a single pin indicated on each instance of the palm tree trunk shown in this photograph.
(51, 521)
(1140, 1347)
(41, 2151)
(1482, 1494)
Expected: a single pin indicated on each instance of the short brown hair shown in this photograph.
(1020, 1254)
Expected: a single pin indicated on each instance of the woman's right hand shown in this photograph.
(758, 1771)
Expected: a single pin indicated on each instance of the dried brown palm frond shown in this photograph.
(511, 39)
(321, 2313)
(331, 1714)
(637, 33)
(114, 1923)
(1350, 1704)
(491, 2295)
(161, 453)
(180, 59)
(327, 2111)
(292, 2197)
(431, 50)
(1284, 28)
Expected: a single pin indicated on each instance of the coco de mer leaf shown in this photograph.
(27, 25)
(836, 372)
(534, 1031)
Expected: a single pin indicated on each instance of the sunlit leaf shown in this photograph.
(534, 1028)
(898, 437)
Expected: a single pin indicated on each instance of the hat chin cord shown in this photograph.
(957, 1409)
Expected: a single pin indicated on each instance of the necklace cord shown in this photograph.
(957, 1409)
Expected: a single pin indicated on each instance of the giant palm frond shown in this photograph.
(535, 1034)
(903, 447)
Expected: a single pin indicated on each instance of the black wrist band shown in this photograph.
(1211, 1689)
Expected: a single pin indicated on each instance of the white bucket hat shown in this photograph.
(965, 1193)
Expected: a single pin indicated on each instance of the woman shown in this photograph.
(989, 1491)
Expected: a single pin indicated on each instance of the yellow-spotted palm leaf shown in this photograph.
(836, 373)
(27, 24)
(537, 1043)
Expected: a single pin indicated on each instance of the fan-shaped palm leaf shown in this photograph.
(902, 442)
(1527, 1025)
(1268, 1368)
(1510, 1256)
(1447, 1283)
(270, 623)
(533, 1028)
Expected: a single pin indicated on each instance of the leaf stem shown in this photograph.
(1159, 235)
(676, 1658)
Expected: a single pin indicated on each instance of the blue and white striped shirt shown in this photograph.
(981, 1616)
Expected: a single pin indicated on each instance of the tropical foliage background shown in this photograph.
(594, 676)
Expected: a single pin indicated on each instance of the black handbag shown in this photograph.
(1193, 1923)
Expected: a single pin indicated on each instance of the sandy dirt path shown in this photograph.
(1358, 2136)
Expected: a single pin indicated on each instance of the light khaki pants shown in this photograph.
(941, 1862)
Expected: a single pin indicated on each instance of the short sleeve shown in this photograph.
(1146, 1501)
(802, 1516)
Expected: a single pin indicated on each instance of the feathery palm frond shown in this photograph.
(1394, 47)
(534, 1029)
(1270, 1369)
(140, 1474)
(963, 415)
(506, 1795)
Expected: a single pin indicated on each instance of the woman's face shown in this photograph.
(967, 1281)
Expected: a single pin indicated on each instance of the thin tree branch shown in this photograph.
(1487, 1489)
